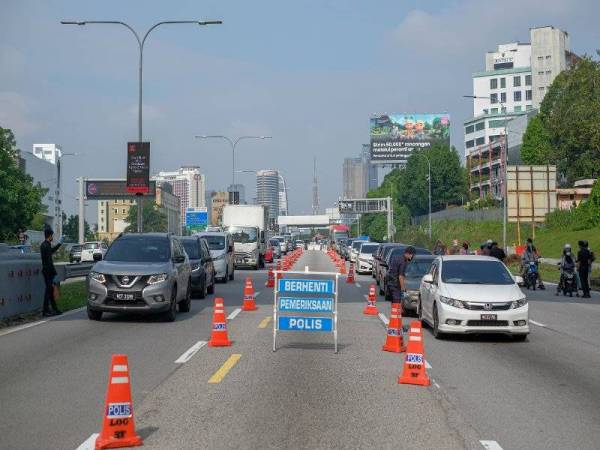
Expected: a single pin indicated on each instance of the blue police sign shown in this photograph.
(300, 286)
(298, 323)
(297, 304)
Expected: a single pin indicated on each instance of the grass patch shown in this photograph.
(72, 296)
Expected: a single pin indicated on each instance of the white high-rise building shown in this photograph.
(283, 197)
(47, 152)
(188, 184)
(512, 86)
(267, 192)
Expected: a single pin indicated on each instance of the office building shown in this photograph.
(188, 184)
(359, 175)
(218, 202)
(283, 196)
(237, 194)
(170, 204)
(44, 166)
(267, 192)
(508, 93)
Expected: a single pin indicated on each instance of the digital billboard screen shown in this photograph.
(138, 167)
(97, 189)
(395, 136)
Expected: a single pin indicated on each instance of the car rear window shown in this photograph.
(90, 246)
(139, 249)
(369, 248)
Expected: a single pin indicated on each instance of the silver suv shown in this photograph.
(141, 273)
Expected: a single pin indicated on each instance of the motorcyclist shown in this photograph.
(566, 265)
(531, 255)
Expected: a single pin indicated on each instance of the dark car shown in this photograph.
(203, 270)
(75, 254)
(418, 267)
(379, 267)
(379, 256)
(396, 252)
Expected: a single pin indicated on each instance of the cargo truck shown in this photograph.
(247, 225)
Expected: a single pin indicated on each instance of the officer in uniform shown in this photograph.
(398, 273)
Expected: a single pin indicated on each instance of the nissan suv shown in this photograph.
(140, 273)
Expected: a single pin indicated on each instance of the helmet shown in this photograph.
(567, 247)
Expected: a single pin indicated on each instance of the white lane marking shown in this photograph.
(357, 285)
(256, 294)
(39, 322)
(384, 319)
(190, 352)
(491, 445)
(234, 314)
(427, 365)
(536, 323)
(436, 384)
(90, 443)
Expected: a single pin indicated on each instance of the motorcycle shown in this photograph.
(531, 275)
(568, 283)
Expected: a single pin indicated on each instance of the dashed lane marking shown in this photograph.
(436, 384)
(537, 323)
(357, 285)
(264, 322)
(90, 443)
(190, 352)
(234, 314)
(225, 368)
(427, 365)
(491, 445)
(256, 294)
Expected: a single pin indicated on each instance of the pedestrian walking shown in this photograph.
(584, 265)
(49, 273)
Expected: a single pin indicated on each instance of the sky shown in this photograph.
(309, 73)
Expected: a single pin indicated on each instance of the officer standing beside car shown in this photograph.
(398, 273)
(49, 272)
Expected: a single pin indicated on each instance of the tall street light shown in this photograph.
(429, 180)
(233, 144)
(504, 169)
(141, 41)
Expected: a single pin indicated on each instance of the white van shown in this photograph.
(220, 245)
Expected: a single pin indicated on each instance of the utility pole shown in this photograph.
(390, 221)
(315, 203)
(81, 210)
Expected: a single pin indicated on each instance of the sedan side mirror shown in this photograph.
(97, 257)
(428, 278)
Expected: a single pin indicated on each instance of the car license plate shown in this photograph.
(489, 316)
(124, 296)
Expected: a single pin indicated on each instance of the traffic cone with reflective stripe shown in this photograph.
(414, 371)
(394, 342)
(218, 334)
(249, 304)
(371, 308)
(270, 278)
(350, 277)
(118, 429)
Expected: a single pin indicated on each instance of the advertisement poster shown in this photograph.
(138, 167)
(395, 136)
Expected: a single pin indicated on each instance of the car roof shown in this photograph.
(152, 234)
(421, 257)
(211, 233)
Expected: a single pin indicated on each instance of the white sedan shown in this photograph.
(472, 294)
(90, 248)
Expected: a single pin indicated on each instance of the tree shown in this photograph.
(71, 228)
(570, 114)
(536, 148)
(20, 198)
(155, 220)
(448, 180)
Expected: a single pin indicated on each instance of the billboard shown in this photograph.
(138, 167)
(196, 219)
(395, 136)
(531, 193)
(96, 189)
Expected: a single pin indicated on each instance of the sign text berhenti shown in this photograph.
(308, 305)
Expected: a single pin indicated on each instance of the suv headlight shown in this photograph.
(158, 278)
(99, 277)
(518, 303)
(452, 302)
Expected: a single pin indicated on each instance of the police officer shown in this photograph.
(584, 265)
(398, 272)
(49, 272)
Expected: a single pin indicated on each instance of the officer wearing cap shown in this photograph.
(398, 273)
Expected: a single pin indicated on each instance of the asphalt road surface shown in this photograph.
(486, 390)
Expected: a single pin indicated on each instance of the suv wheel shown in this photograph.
(203, 290)
(436, 324)
(186, 303)
(211, 289)
(169, 316)
(94, 315)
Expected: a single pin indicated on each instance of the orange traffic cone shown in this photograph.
(249, 304)
(118, 429)
(350, 277)
(394, 342)
(270, 279)
(371, 308)
(218, 335)
(414, 371)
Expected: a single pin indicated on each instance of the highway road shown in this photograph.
(540, 394)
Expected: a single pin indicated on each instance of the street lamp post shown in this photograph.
(429, 187)
(504, 169)
(141, 41)
(233, 145)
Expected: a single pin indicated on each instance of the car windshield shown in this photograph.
(243, 235)
(369, 248)
(90, 246)
(215, 242)
(192, 248)
(418, 268)
(475, 272)
(139, 249)
(76, 248)
(356, 244)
